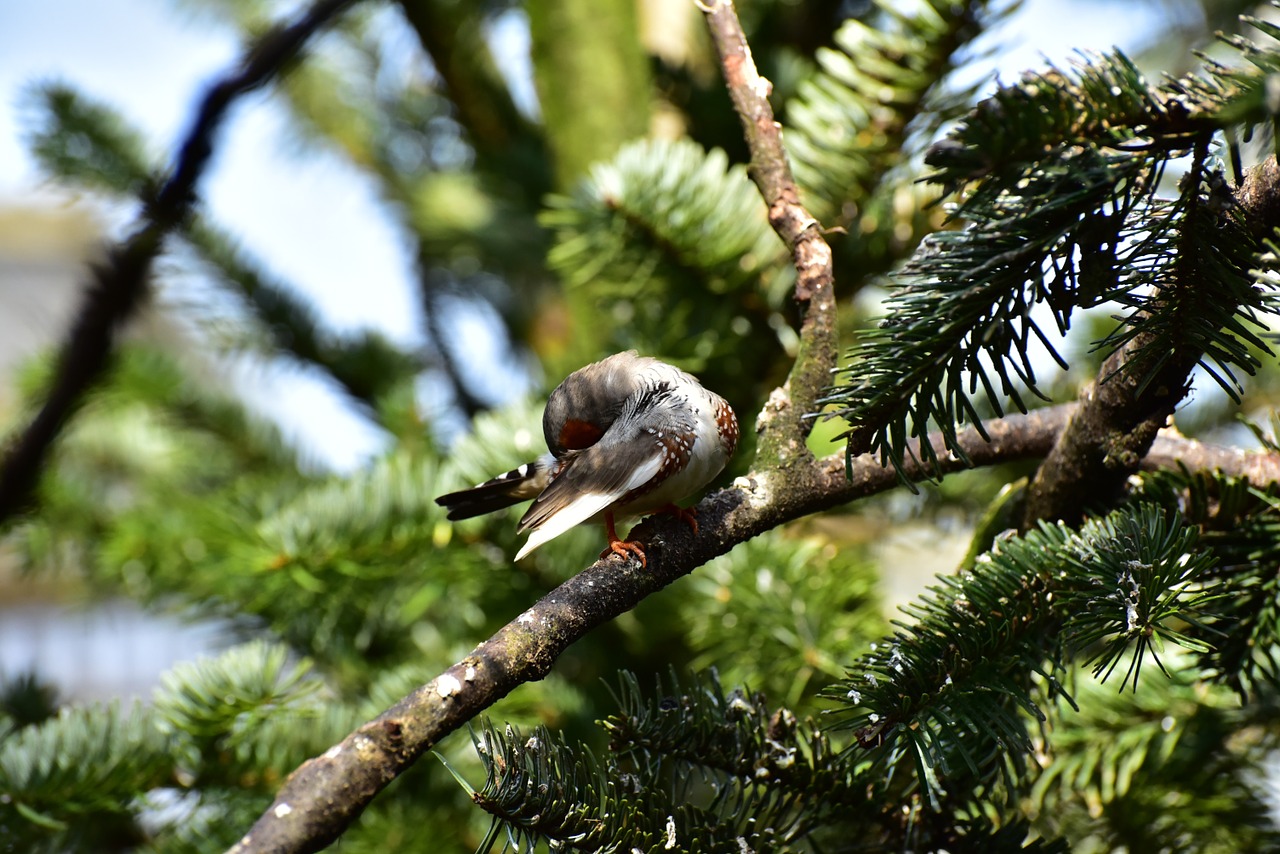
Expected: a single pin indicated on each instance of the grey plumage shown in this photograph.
(627, 435)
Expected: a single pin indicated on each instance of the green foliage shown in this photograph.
(1240, 525)
(1063, 213)
(663, 219)
(695, 770)
(85, 761)
(948, 695)
(89, 143)
(1005, 709)
(245, 711)
(772, 612)
(663, 215)
(1169, 766)
(863, 117)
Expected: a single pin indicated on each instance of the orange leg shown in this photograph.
(619, 546)
(687, 515)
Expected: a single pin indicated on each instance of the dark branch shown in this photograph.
(117, 285)
(326, 794)
(1116, 423)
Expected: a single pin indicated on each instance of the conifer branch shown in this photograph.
(326, 794)
(118, 285)
(1139, 385)
(783, 422)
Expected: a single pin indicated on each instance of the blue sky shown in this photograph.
(152, 57)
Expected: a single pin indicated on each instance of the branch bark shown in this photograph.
(1116, 423)
(326, 794)
(783, 425)
(118, 286)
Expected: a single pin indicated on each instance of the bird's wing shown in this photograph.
(591, 482)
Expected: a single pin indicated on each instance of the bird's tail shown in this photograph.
(519, 484)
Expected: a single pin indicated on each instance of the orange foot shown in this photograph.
(619, 546)
(687, 515)
(625, 548)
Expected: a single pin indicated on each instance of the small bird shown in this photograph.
(628, 435)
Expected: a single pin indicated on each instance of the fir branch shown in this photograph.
(90, 143)
(86, 759)
(1064, 214)
(783, 423)
(1106, 104)
(539, 788)
(1044, 226)
(660, 228)
(1177, 764)
(701, 727)
(1140, 383)
(119, 285)
(950, 694)
(664, 210)
(324, 795)
(720, 765)
(848, 126)
(1240, 523)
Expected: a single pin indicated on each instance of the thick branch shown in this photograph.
(783, 424)
(118, 285)
(452, 34)
(1115, 425)
(325, 794)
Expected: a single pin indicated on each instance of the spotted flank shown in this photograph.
(727, 425)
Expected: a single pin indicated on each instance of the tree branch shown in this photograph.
(1115, 425)
(783, 425)
(326, 794)
(118, 285)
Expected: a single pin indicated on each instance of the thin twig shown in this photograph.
(118, 285)
(783, 423)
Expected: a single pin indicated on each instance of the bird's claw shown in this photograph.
(626, 549)
(688, 515)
